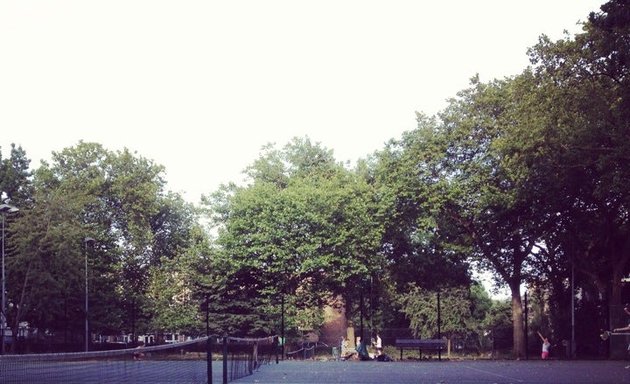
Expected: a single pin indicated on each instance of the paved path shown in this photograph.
(445, 372)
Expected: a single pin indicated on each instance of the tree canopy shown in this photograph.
(524, 178)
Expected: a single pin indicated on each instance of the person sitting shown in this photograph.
(346, 352)
(383, 357)
(378, 344)
(138, 354)
(362, 351)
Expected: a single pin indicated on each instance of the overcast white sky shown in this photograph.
(201, 86)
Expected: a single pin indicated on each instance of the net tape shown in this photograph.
(102, 354)
(607, 334)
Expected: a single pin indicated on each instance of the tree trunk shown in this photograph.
(517, 322)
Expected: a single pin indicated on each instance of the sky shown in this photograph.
(200, 86)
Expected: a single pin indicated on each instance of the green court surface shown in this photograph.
(444, 372)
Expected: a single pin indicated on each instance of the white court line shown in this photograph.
(495, 374)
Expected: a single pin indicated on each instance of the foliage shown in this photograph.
(525, 177)
(463, 312)
(116, 199)
(580, 98)
(176, 290)
(307, 231)
(15, 177)
(499, 315)
(309, 318)
(409, 182)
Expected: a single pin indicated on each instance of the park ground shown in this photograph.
(444, 372)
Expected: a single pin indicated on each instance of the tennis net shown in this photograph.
(242, 356)
(204, 360)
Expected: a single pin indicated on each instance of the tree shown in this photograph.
(304, 227)
(46, 270)
(15, 177)
(116, 198)
(409, 176)
(175, 290)
(581, 100)
(408, 179)
(456, 316)
(498, 323)
(486, 199)
(456, 196)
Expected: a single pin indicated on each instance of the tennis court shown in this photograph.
(444, 372)
(349, 372)
(154, 372)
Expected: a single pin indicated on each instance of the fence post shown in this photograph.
(225, 360)
(209, 359)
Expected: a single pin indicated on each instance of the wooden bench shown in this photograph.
(420, 345)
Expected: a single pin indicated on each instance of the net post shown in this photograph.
(254, 364)
(225, 359)
(209, 358)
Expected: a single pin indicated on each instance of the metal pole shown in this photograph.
(371, 311)
(572, 351)
(207, 314)
(225, 359)
(87, 332)
(2, 310)
(439, 324)
(282, 324)
(361, 314)
(525, 331)
(87, 347)
(209, 359)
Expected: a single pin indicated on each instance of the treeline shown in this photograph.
(525, 178)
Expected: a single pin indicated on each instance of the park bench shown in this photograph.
(420, 345)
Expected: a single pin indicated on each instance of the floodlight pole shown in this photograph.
(87, 332)
(526, 326)
(439, 324)
(572, 350)
(361, 313)
(4, 209)
(282, 322)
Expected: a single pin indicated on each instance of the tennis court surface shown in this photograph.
(444, 372)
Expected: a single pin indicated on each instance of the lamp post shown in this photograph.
(4, 210)
(439, 323)
(87, 332)
(526, 326)
(572, 346)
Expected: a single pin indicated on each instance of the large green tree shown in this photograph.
(486, 199)
(304, 227)
(409, 177)
(118, 200)
(456, 198)
(580, 102)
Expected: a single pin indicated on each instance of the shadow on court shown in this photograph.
(445, 372)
